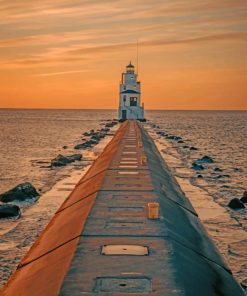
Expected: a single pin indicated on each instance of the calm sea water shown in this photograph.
(29, 139)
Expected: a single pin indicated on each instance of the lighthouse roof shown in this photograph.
(130, 65)
(129, 91)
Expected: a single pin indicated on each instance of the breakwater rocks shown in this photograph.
(10, 211)
(204, 166)
(171, 137)
(92, 137)
(238, 204)
(62, 160)
(22, 192)
(197, 165)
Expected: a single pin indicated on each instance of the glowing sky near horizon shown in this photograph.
(70, 53)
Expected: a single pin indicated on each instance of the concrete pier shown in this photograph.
(101, 242)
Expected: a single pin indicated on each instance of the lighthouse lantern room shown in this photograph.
(130, 96)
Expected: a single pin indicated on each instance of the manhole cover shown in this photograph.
(123, 284)
(134, 250)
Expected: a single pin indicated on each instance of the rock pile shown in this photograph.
(62, 160)
(94, 137)
(21, 192)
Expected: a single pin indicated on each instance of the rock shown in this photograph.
(197, 167)
(87, 144)
(180, 141)
(172, 137)
(9, 211)
(218, 170)
(236, 204)
(74, 157)
(21, 192)
(62, 160)
(105, 130)
(97, 137)
(244, 198)
(65, 147)
(88, 134)
(223, 176)
(193, 148)
(185, 146)
(80, 146)
(200, 176)
(205, 159)
(111, 124)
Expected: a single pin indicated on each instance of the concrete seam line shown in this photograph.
(48, 252)
(201, 255)
(177, 203)
(83, 181)
(70, 205)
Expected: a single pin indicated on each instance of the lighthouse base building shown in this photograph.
(130, 96)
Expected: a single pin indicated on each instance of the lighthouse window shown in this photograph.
(133, 101)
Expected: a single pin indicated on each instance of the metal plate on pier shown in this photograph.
(123, 284)
(134, 250)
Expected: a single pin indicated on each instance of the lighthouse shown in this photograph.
(130, 96)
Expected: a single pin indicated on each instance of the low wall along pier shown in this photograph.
(126, 229)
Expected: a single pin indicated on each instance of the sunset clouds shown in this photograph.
(70, 53)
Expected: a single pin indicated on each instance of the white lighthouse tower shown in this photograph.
(130, 96)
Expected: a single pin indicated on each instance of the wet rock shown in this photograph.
(193, 148)
(74, 157)
(205, 159)
(197, 167)
(81, 146)
(9, 211)
(172, 137)
(236, 204)
(21, 192)
(62, 160)
(218, 170)
(223, 176)
(88, 134)
(105, 130)
(111, 124)
(244, 198)
(87, 144)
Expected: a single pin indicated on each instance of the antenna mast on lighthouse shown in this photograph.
(137, 57)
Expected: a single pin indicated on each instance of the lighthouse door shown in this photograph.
(124, 114)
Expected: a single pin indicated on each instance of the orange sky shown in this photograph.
(70, 53)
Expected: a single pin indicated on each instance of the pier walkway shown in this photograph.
(101, 242)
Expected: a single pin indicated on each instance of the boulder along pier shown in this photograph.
(104, 240)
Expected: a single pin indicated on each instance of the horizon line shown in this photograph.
(47, 108)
